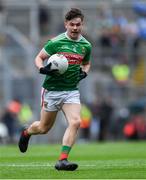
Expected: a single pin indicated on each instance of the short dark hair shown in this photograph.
(74, 13)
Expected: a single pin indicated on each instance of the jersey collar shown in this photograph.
(72, 39)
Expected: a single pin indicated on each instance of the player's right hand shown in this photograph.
(47, 70)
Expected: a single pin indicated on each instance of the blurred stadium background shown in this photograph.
(114, 93)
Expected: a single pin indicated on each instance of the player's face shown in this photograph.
(74, 28)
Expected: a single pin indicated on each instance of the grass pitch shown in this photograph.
(119, 160)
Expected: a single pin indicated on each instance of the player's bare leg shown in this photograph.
(44, 125)
(72, 114)
(38, 127)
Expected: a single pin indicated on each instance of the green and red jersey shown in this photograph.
(77, 52)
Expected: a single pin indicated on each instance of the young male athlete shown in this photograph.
(61, 92)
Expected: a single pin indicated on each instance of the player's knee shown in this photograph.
(76, 122)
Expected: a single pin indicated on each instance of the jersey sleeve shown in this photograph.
(88, 55)
(49, 47)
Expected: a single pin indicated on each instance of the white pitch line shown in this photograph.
(37, 165)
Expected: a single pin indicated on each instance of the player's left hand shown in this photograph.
(82, 75)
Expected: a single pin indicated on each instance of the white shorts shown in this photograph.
(53, 100)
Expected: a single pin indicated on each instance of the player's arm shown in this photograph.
(39, 62)
(40, 58)
(86, 67)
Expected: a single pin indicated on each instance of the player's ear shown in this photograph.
(65, 24)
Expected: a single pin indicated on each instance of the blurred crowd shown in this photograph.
(103, 121)
(13, 118)
(121, 35)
